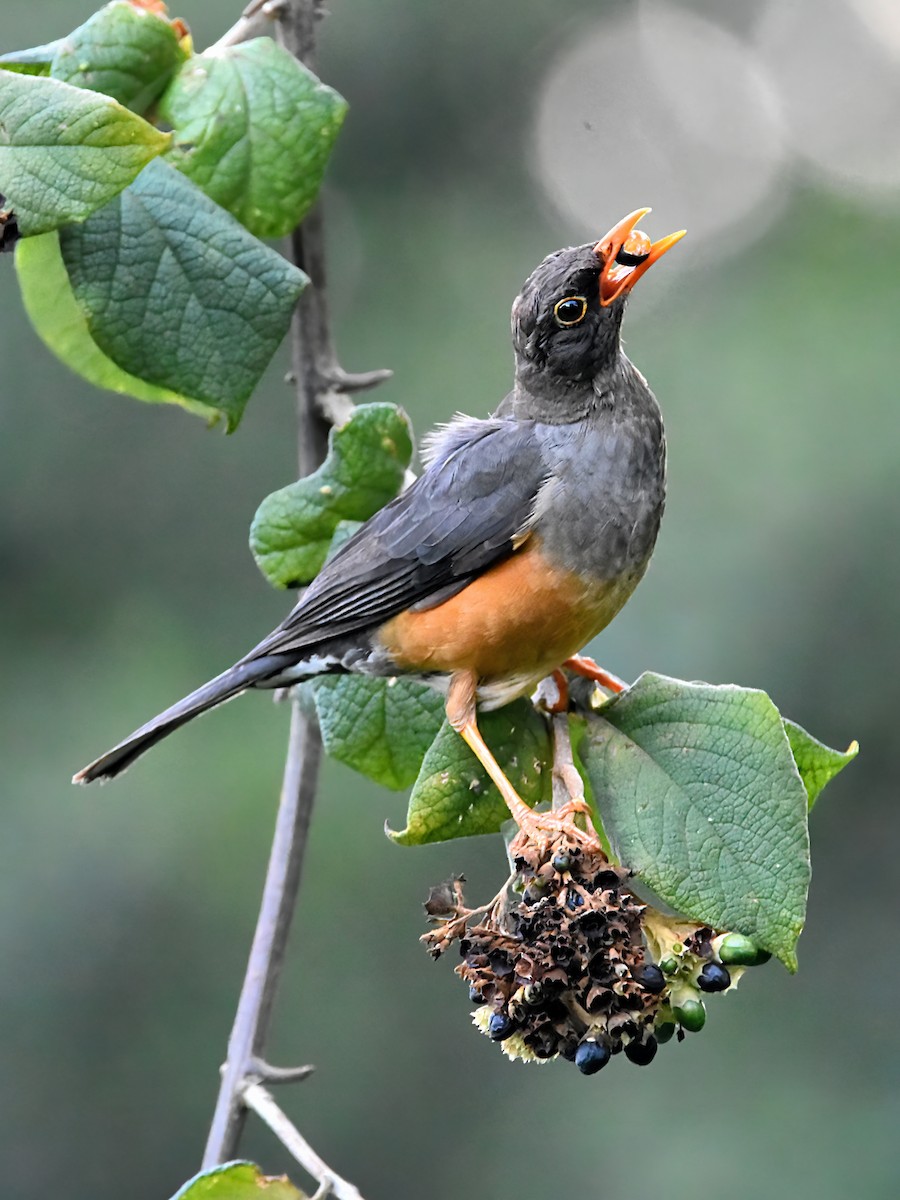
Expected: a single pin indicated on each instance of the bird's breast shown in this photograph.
(521, 618)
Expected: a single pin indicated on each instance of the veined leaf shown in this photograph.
(63, 328)
(453, 796)
(254, 129)
(176, 292)
(292, 531)
(699, 794)
(124, 51)
(65, 152)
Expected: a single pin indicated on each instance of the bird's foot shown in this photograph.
(582, 665)
(555, 830)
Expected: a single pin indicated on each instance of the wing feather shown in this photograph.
(467, 511)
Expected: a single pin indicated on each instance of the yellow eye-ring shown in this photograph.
(570, 311)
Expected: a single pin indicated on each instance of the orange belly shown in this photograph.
(521, 618)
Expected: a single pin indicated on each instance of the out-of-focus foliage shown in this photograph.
(126, 913)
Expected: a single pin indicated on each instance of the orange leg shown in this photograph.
(582, 665)
(461, 714)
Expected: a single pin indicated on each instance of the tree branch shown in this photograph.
(330, 1184)
(321, 400)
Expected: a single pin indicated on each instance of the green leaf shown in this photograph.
(367, 459)
(254, 128)
(176, 292)
(453, 796)
(817, 763)
(238, 1181)
(62, 326)
(379, 727)
(65, 152)
(123, 51)
(700, 796)
(35, 61)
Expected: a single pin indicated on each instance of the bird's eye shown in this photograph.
(570, 311)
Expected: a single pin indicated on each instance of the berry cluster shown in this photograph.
(567, 961)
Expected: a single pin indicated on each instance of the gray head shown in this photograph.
(566, 319)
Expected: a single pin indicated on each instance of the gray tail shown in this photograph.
(230, 683)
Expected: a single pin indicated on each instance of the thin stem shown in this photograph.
(254, 1012)
(254, 20)
(264, 1105)
(315, 374)
(567, 784)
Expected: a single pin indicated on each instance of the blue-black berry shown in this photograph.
(650, 977)
(642, 1053)
(713, 978)
(500, 1027)
(591, 1056)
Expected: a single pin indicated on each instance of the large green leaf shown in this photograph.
(176, 292)
(123, 51)
(62, 326)
(699, 794)
(65, 152)
(379, 727)
(254, 128)
(817, 763)
(238, 1181)
(292, 530)
(453, 796)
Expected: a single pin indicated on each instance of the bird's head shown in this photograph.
(566, 319)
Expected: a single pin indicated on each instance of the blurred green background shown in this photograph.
(480, 137)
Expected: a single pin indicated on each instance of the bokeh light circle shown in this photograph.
(662, 107)
(836, 64)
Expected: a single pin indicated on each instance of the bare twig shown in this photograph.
(567, 784)
(256, 19)
(254, 1011)
(330, 1183)
(320, 385)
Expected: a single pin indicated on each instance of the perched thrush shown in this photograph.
(522, 539)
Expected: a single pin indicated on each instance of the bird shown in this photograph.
(522, 538)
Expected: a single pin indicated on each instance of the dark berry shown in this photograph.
(560, 862)
(642, 1053)
(476, 996)
(590, 1057)
(665, 1032)
(713, 978)
(650, 977)
(500, 1027)
(569, 1048)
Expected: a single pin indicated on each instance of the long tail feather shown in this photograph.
(225, 686)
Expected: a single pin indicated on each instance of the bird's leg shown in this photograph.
(582, 665)
(461, 714)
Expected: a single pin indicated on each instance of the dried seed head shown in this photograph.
(567, 961)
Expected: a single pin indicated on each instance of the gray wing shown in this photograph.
(459, 517)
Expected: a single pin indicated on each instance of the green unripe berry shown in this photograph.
(737, 950)
(691, 1014)
(664, 1032)
(668, 965)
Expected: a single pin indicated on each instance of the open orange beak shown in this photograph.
(626, 253)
